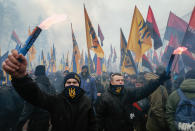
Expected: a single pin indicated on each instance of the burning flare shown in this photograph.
(179, 50)
(52, 20)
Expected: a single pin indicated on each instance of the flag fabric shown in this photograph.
(82, 62)
(176, 27)
(99, 68)
(67, 63)
(151, 22)
(92, 40)
(155, 59)
(188, 59)
(86, 59)
(76, 54)
(90, 63)
(95, 62)
(103, 65)
(127, 62)
(3, 58)
(173, 44)
(15, 38)
(123, 46)
(115, 56)
(100, 34)
(32, 51)
(146, 63)
(189, 38)
(140, 38)
(53, 60)
(43, 60)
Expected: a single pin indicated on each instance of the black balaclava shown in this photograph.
(72, 92)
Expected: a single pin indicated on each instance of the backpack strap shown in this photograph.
(181, 94)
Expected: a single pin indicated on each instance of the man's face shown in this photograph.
(117, 80)
(71, 82)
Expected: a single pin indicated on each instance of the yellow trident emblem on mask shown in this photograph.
(72, 93)
(118, 89)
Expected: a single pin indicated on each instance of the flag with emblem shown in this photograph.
(127, 62)
(139, 38)
(76, 54)
(92, 40)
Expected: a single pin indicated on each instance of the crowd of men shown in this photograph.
(67, 101)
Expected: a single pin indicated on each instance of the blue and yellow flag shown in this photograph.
(32, 50)
(43, 60)
(76, 54)
(82, 62)
(139, 38)
(53, 60)
(67, 64)
(92, 40)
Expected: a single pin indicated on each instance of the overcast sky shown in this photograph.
(111, 15)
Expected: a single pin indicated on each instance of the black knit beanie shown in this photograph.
(72, 75)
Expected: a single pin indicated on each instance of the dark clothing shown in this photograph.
(156, 115)
(77, 115)
(39, 118)
(188, 88)
(88, 84)
(114, 111)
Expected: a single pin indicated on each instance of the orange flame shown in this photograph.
(179, 50)
(52, 20)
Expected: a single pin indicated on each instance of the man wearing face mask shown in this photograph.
(71, 110)
(88, 84)
(113, 111)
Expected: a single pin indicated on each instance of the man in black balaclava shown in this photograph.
(71, 110)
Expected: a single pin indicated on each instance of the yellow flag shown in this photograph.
(76, 54)
(92, 40)
(127, 66)
(67, 62)
(139, 38)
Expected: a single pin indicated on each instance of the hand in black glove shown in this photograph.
(164, 77)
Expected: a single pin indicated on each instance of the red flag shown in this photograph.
(151, 22)
(98, 66)
(189, 38)
(176, 27)
(100, 34)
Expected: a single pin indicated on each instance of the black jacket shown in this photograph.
(65, 116)
(114, 112)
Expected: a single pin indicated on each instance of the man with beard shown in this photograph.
(114, 108)
(71, 110)
(88, 84)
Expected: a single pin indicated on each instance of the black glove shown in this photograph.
(164, 77)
